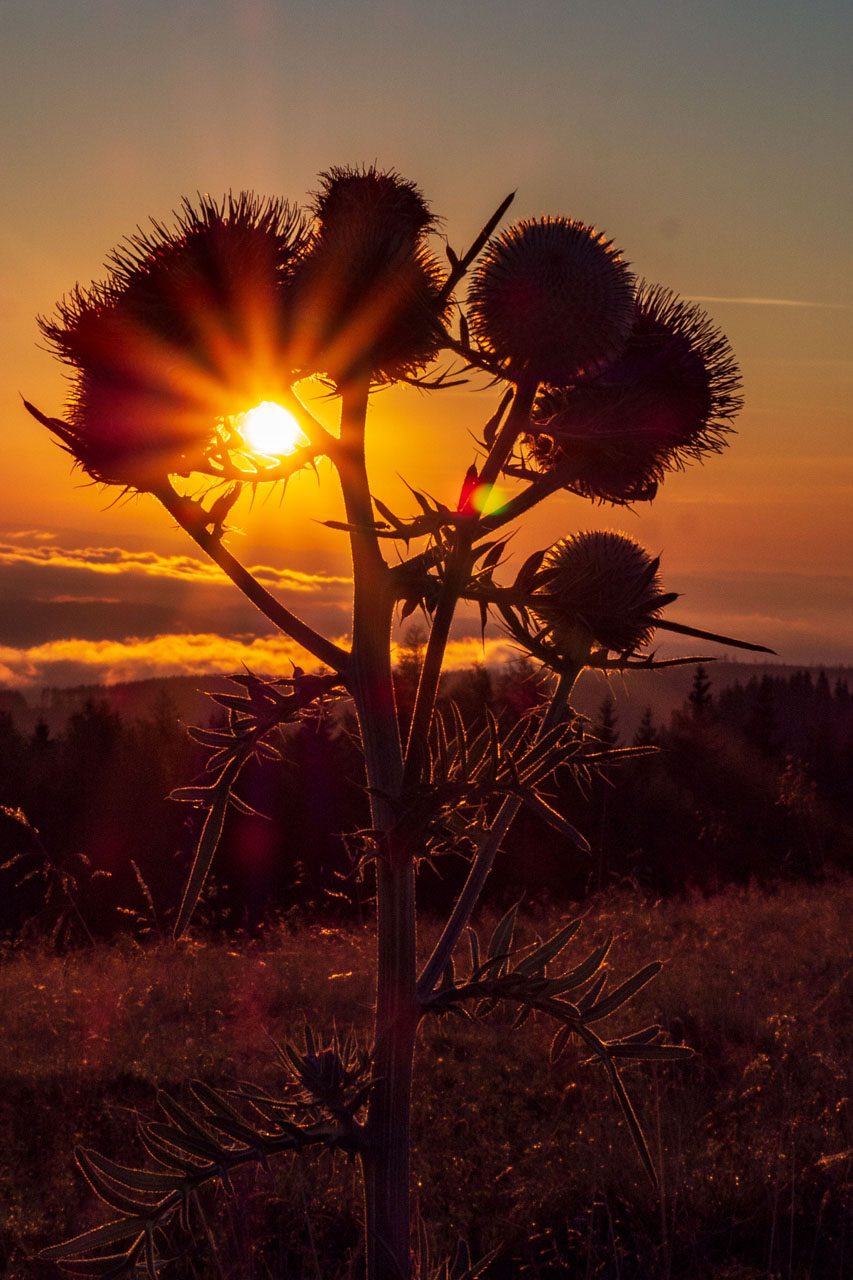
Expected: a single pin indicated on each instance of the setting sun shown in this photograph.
(271, 429)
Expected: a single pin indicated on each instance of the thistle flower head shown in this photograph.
(598, 588)
(188, 329)
(350, 199)
(667, 398)
(369, 286)
(551, 296)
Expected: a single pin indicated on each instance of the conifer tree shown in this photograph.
(700, 698)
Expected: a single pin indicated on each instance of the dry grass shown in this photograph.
(753, 1138)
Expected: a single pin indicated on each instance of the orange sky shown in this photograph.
(708, 141)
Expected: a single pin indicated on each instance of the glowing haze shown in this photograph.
(707, 139)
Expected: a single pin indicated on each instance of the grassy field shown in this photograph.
(753, 1138)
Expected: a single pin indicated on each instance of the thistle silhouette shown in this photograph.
(605, 388)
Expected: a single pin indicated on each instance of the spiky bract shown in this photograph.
(189, 329)
(598, 588)
(369, 288)
(552, 297)
(668, 398)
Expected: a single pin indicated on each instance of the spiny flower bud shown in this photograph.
(668, 398)
(369, 287)
(598, 588)
(352, 197)
(187, 331)
(553, 297)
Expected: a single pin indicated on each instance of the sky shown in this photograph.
(709, 139)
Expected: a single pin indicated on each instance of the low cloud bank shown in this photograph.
(103, 615)
(74, 662)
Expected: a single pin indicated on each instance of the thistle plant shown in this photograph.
(603, 387)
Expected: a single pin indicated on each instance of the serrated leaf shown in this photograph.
(213, 1101)
(387, 513)
(550, 949)
(479, 1268)
(581, 972)
(494, 742)
(474, 947)
(207, 1150)
(484, 618)
(209, 737)
(554, 819)
(423, 501)
(210, 836)
(501, 940)
(560, 737)
(239, 1130)
(104, 1267)
(242, 806)
(136, 1179)
(494, 551)
(527, 573)
(558, 1044)
(193, 795)
(650, 1052)
(589, 997)
(448, 975)
(514, 740)
(460, 740)
(181, 1117)
(624, 992)
(490, 430)
(108, 1191)
(109, 1233)
(233, 702)
(166, 1155)
(644, 1036)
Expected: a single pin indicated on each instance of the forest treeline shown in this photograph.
(750, 781)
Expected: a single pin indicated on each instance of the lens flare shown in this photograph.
(271, 429)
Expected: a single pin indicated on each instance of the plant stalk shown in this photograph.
(191, 519)
(385, 1161)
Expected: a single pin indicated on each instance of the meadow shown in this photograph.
(753, 1138)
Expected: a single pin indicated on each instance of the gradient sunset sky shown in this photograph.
(711, 140)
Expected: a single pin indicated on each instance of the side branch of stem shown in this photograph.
(191, 520)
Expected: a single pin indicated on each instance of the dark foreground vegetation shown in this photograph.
(753, 1138)
(729, 853)
(751, 783)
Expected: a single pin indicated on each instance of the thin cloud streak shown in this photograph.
(771, 302)
(114, 561)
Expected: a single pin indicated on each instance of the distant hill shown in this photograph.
(132, 700)
(664, 690)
